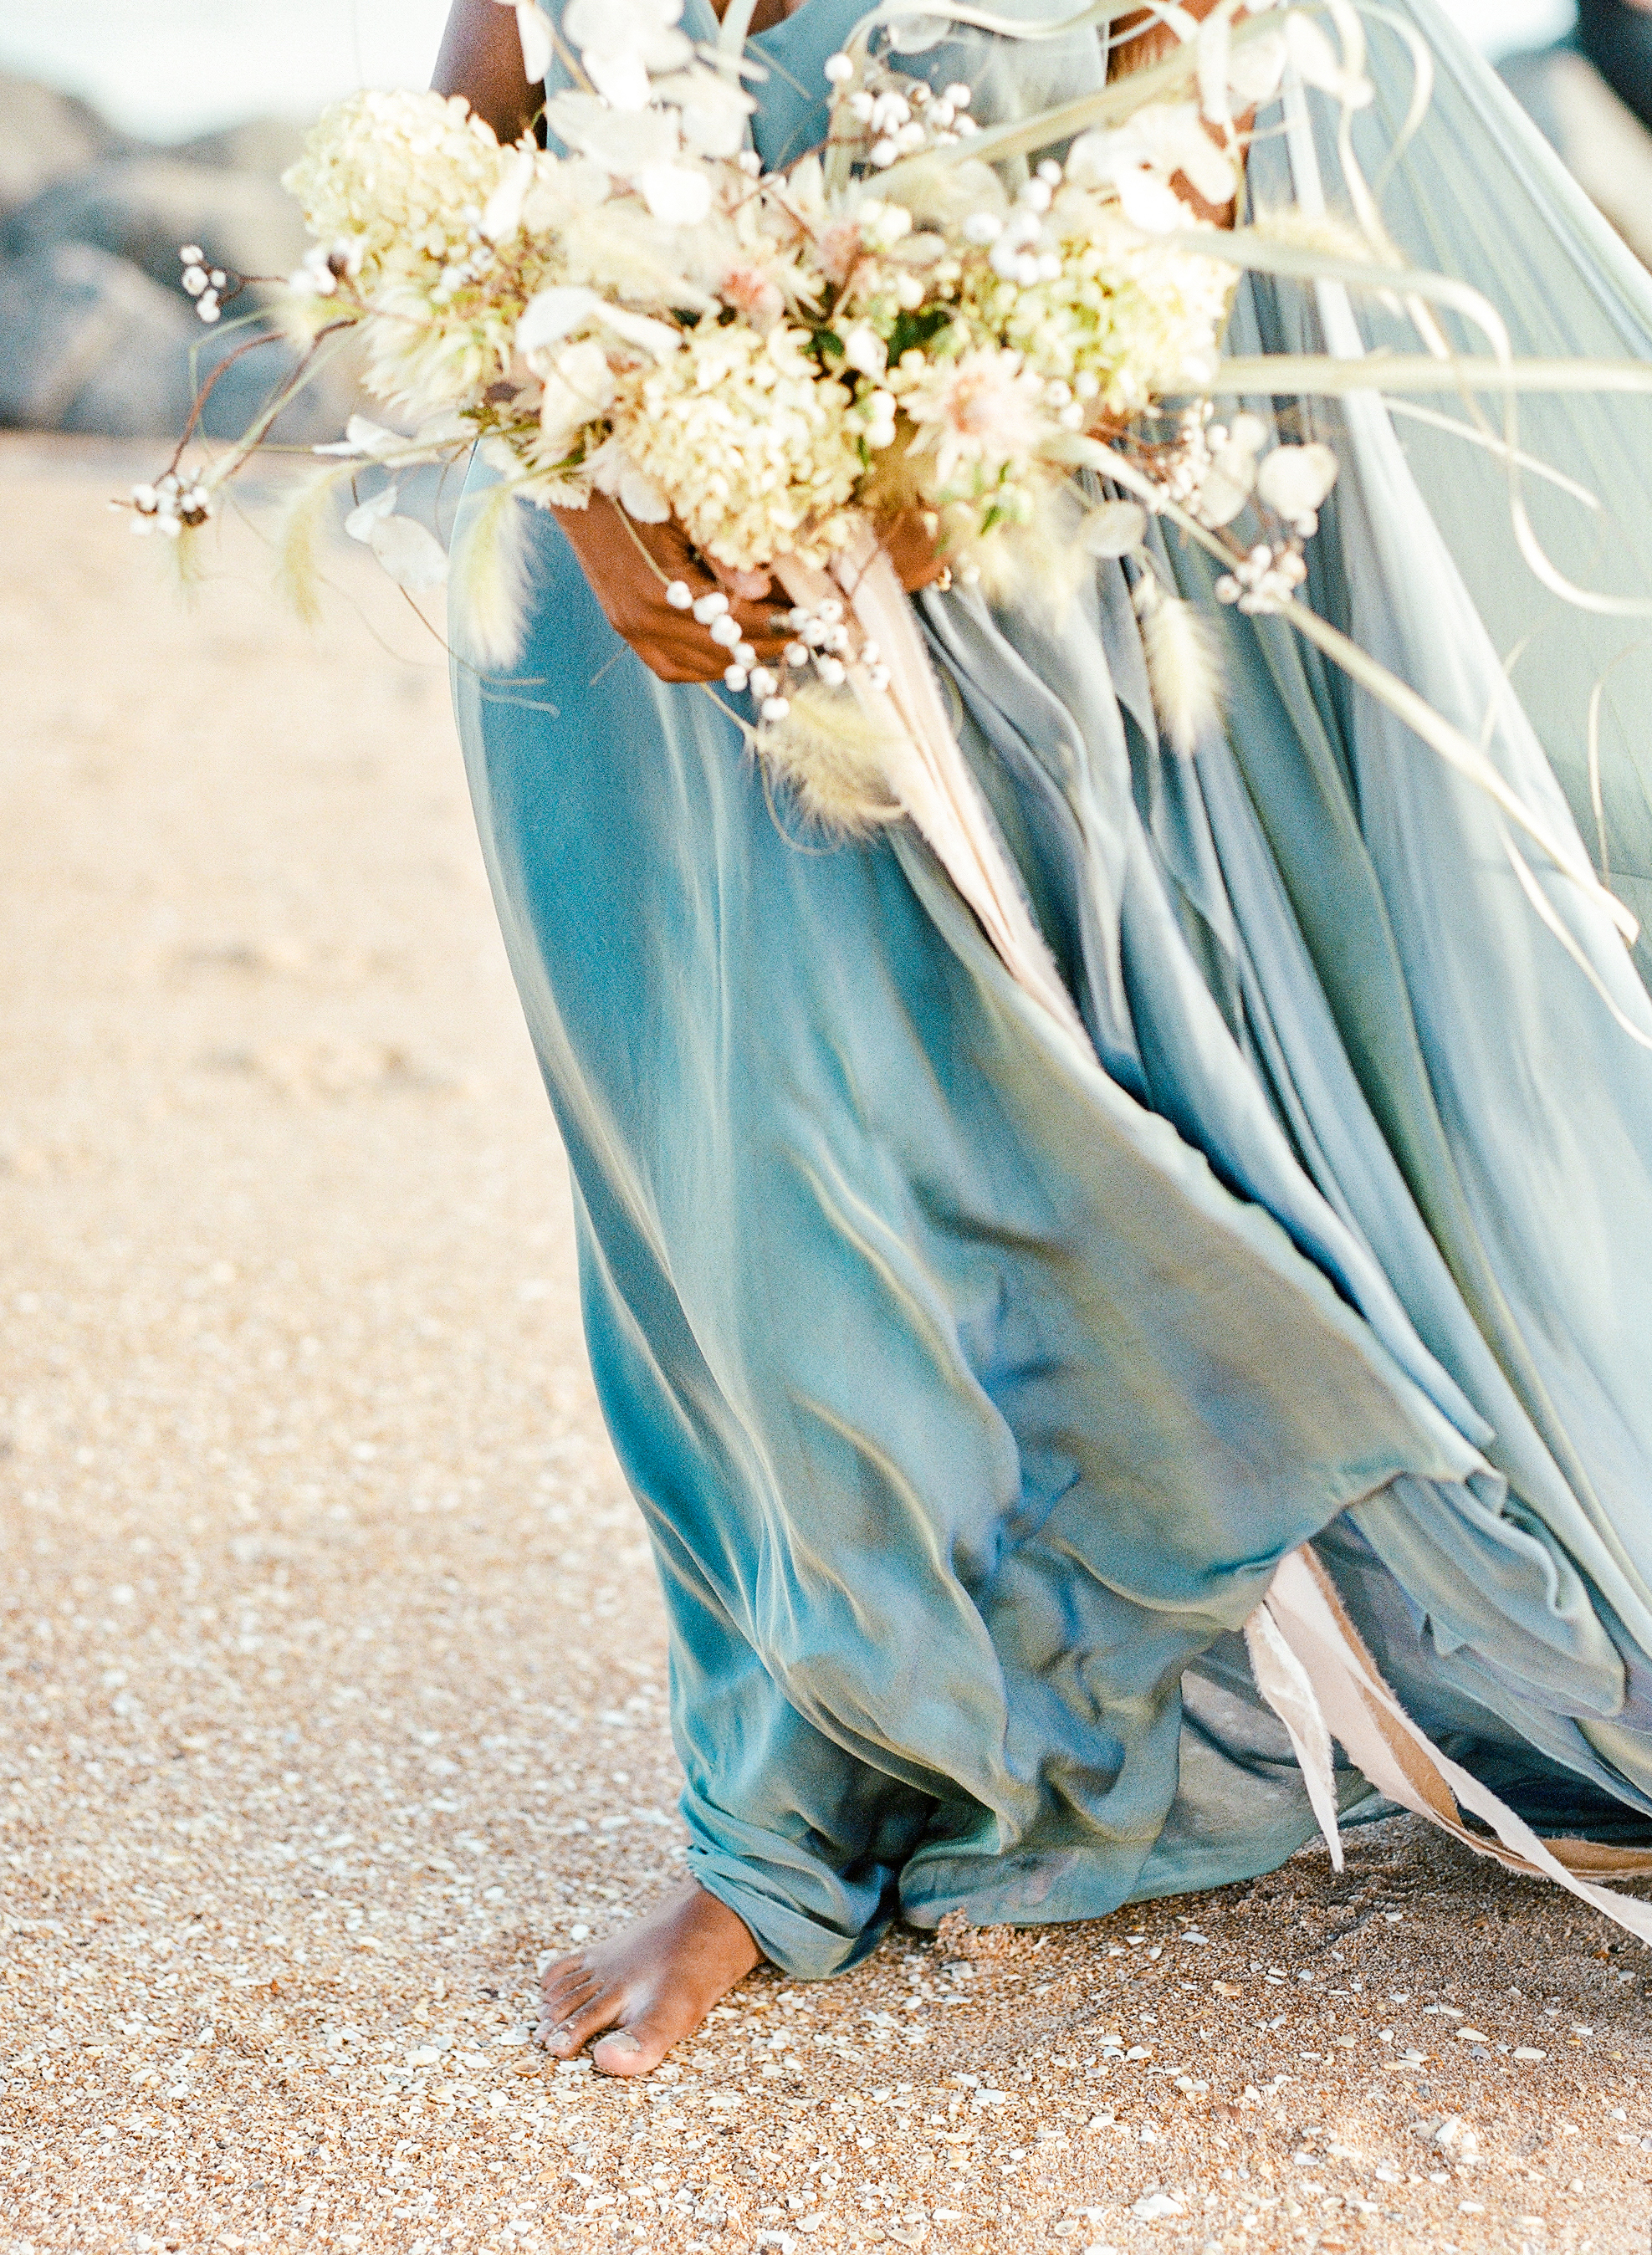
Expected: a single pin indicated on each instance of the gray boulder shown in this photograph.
(44, 137)
(88, 343)
(142, 208)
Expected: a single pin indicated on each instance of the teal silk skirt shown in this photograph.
(972, 1388)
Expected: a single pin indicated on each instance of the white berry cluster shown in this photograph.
(897, 117)
(324, 267)
(715, 614)
(205, 285)
(1266, 578)
(822, 638)
(1215, 471)
(1182, 469)
(170, 506)
(1019, 248)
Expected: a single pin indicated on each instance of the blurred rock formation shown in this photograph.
(1616, 35)
(89, 343)
(45, 137)
(265, 145)
(141, 208)
(95, 332)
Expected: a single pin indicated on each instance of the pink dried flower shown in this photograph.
(751, 290)
(839, 250)
(982, 408)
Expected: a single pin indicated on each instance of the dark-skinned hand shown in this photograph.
(630, 566)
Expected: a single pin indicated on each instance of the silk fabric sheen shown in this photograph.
(973, 1385)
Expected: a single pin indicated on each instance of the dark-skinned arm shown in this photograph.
(481, 57)
(1152, 45)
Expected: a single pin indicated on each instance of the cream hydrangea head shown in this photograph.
(1131, 318)
(403, 176)
(754, 447)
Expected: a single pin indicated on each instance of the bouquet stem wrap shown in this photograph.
(1302, 1642)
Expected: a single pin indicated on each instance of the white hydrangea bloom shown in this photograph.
(404, 177)
(751, 444)
(1121, 309)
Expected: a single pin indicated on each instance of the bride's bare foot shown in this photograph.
(653, 1985)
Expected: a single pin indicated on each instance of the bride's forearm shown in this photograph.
(1138, 41)
(481, 57)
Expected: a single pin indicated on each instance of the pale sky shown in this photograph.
(168, 68)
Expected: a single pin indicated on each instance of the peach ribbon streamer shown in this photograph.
(1305, 1613)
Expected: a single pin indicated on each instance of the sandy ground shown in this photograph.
(333, 1664)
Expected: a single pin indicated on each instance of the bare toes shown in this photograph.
(584, 2020)
(648, 1987)
(563, 1969)
(560, 1988)
(634, 2050)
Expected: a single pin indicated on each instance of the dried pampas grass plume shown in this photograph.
(491, 575)
(1183, 669)
(1322, 233)
(829, 756)
(297, 564)
(187, 559)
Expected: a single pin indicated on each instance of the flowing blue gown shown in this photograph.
(972, 1385)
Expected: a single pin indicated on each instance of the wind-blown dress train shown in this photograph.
(975, 1380)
